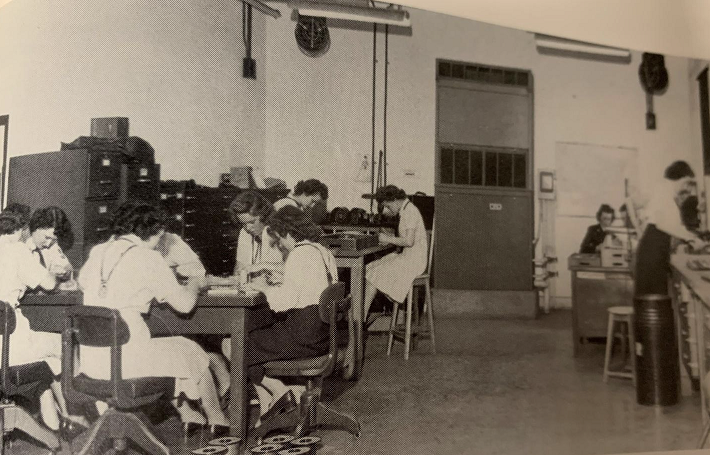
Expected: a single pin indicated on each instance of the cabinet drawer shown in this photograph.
(104, 174)
(97, 221)
(143, 181)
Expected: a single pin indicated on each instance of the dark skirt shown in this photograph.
(292, 334)
(653, 256)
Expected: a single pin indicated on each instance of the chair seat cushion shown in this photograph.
(312, 366)
(30, 373)
(131, 389)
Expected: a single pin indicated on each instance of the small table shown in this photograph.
(356, 261)
(213, 315)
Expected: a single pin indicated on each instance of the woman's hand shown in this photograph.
(698, 244)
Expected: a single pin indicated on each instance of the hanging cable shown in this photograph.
(374, 88)
(384, 132)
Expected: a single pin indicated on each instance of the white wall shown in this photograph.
(575, 101)
(174, 68)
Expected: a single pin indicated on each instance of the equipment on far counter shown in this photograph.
(349, 241)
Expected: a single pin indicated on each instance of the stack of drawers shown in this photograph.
(87, 184)
(200, 215)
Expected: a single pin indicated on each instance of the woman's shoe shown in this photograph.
(190, 429)
(70, 428)
(218, 431)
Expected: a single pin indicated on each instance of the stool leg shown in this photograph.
(430, 314)
(704, 436)
(408, 324)
(393, 326)
(632, 347)
(416, 330)
(624, 334)
(609, 343)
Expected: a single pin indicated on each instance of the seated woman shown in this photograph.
(50, 233)
(596, 234)
(394, 273)
(127, 273)
(19, 271)
(305, 195)
(257, 250)
(291, 327)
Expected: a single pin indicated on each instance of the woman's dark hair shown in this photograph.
(21, 211)
(10, 223)
(677, 170)
(252, 203)
(54, 217)
(310, 187)
(139, 218)
(291, 220)
(605, 208)
(390, 193)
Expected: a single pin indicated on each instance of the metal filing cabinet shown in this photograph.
(201, 216)
(87, 184)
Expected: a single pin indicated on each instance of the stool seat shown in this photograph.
(621, 310)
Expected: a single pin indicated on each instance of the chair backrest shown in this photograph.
(97, 327)
(8, 322)
(332, 306)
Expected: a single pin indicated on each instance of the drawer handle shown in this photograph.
(143, 180)
(189, 225)
(101, 229)
(105, 182)
(189, 239)
(190, 211)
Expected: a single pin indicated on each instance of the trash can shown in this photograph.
(657, 371)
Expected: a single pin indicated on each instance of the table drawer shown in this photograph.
(104, 179)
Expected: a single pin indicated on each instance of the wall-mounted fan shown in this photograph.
(312, 35)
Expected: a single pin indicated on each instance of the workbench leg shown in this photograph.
(238, 377)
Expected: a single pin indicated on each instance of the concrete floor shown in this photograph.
(494, 387)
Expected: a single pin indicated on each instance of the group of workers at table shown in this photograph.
(671, 213)
(277, 254)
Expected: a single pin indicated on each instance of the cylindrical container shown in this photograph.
(657, 373)
(295, 451)
(279, 439)
(210, 450)
(266, 449)
(231, 443)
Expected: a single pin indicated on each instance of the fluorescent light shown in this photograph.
(352, 13)
(263, 8)
(561, 44)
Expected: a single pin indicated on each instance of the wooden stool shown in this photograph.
(621, 315)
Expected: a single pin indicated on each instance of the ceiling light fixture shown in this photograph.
(388, 16)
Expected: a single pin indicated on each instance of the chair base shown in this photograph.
(303, 424)
(15, 418)
(118, 427)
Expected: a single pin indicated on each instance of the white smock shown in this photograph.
(135, 275)
(20, 271)
(394, 273)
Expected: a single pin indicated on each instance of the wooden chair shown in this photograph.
(311, 413)
(412, 308)
(24, 381)
(104, 327)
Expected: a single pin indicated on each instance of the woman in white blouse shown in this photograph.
(291, 327)
(127, 273)
(257, 250)
(663, 222)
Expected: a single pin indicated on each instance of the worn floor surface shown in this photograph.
(494, 387)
